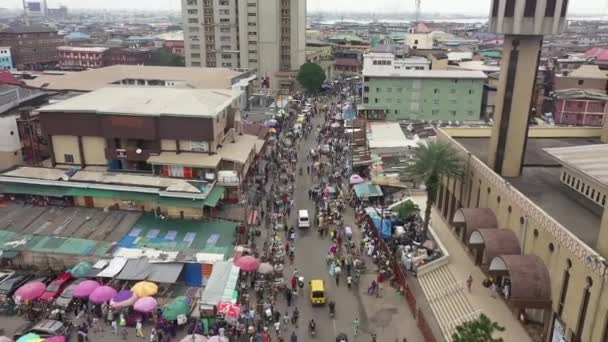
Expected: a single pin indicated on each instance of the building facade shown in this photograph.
(589, 77)
(77, 57)
(6, 59)
(267, 35)
(35, 8)
(433, 95)
(580, 108)
(32, 47)
(349, 62)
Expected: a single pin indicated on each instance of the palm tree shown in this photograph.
(480, 330)
(431, 163)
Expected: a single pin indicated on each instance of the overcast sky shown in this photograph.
(472, 7)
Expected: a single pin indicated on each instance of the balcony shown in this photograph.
(130, 153)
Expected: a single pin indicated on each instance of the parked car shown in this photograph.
(56, 287)
(45, 329)
(10, 285)
(67, 295)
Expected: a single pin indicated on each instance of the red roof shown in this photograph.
(7, 78)
(348, 62)
(422, 28)
(596, 52)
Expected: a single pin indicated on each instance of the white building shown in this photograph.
(422, 41)
(10, 145)
(268, 35)
(387, 63)
(35, 8)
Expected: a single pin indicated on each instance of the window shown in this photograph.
(224, 20)
(436, 102)
(226, 56)
(193, 29)
(69, 158)
(400, 90)
(453, 112)
(415, 106)
(225, 47)
(195, 64)
(252, 33)
(195, 46)
(581, 82)
(193, 20)
(252, 4)
(224, 39)
(195, 55)
(192, 2)
(530, 8)
(470, 91)
(390, 90)
(436, 91)
(253, 60)
(376, 100)
(389, 100)
(470, 113)
(192, 11)
(435, 112)
(251, 14)
(224, 12)
(510, 9)
(452, 91)
(252, 24)
(550, 9)
(453, 102)
(398, 100)
(225, 29)
(378, 90)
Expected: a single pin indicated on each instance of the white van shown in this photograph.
(303, 220)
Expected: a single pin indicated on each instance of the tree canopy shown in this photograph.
(480, 330)
(311, 76)
(408, 209)
(164, 57)
(431, 163)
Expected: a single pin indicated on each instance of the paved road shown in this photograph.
(310, 261)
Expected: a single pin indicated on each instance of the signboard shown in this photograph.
(199, 146)
(559, 332)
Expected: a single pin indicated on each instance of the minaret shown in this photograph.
(523, 23)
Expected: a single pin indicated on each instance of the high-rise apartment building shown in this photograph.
(268, 35)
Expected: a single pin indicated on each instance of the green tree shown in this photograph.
(431, 163)
(479, 330)
(164, 57)
(311, 76)
(408, 209)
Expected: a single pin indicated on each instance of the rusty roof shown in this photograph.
(496, 242)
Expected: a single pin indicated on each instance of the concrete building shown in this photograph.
(267, 35)
(32, 47)
(385, 62)
(537, 221)
(580, 108)
(6, 59)
(433, 95)
(349, 62)
(10, 145)
(589, 77)
(35, 8)
(79, 57)
(419, 41)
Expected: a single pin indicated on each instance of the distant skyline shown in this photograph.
(469, 7)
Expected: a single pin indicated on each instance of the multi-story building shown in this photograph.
(80, 57)
(33, 47)
(422, 41)
(580, 107)
(6, 59)
(589, 77)
(60, 12)
(436, 95)
(268, 35)
(387, 61)
(35, 8)
(349, 62)
(127, 56)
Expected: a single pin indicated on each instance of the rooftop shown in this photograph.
(94, 79)
(587, 71)
(580, 94)
(172, 35)
(591, 160)
(149, 101)
(401, 73)
(540, 182)
(388, 135)
(82, 48)
(29, 29)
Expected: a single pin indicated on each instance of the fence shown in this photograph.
(401, 278)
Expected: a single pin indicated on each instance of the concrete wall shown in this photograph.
(65, 144)
(534, 132)
(536, 230)
(269, 36)
(94, 150)
(569, 82)
(174, 212)
(10, 159)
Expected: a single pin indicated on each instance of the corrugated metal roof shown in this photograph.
(167, 273)
(591, 160)
(135, 269)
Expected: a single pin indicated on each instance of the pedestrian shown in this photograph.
(286, 320)
(139, 330)
(294, 317)
(294, 283)
(372, 288)
(356, 326)
(294, 337)
(287, 247)
(277, 327)
(115, 327)
(288, 296)
(493, 290)
(469, 283)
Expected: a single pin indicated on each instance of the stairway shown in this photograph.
(447, 299)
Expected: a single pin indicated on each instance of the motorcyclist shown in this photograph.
(312, 326)
(332, 308)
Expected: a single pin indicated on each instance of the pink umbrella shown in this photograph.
(145, 304)
(56, 339)
(229, 310)
(85, 288)
(30, 291)
(102, 294)
(356, 179)
(123, 299)
(247, 263)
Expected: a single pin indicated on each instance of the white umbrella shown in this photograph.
(265, 268)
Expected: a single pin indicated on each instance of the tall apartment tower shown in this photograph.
(523, 23)
(267, 35)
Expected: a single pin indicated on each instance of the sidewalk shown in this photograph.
(388, 316)
(462, 266)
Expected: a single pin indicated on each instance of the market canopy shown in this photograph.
(135, 269)
(221, 284)
(367, 190)
(165, 272)
(114, 267)
(383, 226)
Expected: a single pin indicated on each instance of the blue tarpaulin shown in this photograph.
(385, 226)
(193, 274)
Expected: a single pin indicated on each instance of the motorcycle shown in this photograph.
(332, 310)
(312, 329)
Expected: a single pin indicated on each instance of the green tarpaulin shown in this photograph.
(32, 189)
(214, 196)
(367, 190)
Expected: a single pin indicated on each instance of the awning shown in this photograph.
(221, 284)
(216, 194)
(135, 269)
(167, 273)
(200, 160)
(116, 265)
(32, 189)
(474, 218)
(367, 190)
